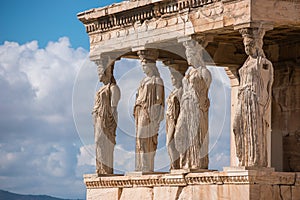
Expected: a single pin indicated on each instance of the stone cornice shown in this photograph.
(127, 13)
(206, 178)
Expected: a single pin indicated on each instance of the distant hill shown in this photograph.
(5, 195)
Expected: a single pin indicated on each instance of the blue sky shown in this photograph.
(47, 88)
(46, 20)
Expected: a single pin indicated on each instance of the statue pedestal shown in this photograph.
(186, 171)
(230, 184)
(244, 168)
(140, 173)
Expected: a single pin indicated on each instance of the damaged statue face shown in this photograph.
(103, 75)
(249, 44)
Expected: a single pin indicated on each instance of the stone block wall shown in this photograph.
(286, 114)
(234, 185)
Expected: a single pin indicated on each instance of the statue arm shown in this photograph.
(265, 70)
(160, 99)
(160, 93)
(115, 98)
(270, 83)
(176, 109)
(115, 95)
(207, 76)
(95, 108)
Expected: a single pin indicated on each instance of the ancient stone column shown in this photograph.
(252, 118)
(191, 134)
(232, 73)
(177, 71)
(105, 117)
(148, 111)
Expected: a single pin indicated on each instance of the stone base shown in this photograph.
(186, 171)
(235, 168)
(238, 184)
(140, 173)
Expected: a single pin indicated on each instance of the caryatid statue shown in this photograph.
(105, 118)
(148, 112)
(252, 121)
(173, 109)
(191, 134)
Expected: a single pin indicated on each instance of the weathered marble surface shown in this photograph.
(172, 114)
(240, 184)
(191, 134)
(252, 120)
(108, 193)
(286, 113)
(124, 25)
(105, 119)
(148, 112)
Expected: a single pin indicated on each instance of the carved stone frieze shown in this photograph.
(207, 178)
(141, 14)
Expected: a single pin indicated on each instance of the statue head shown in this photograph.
(193, 52)
(106, 74)
(250, 48)
(149, 67)
(177, 70)
(148, 60)
(176, 77)
(253, 41)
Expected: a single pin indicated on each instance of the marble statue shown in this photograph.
(105, 120)
(148, 112)
(191, 134)
(173, 110)
(252, 121)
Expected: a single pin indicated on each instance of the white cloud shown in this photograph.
(87, 155)
(123, 159)
(37, 131)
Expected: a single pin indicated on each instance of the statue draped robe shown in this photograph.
(148, 112)
(172, 114)
(104, 130)
(252, 118)
(191, 135)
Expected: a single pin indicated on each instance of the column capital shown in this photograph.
(267, 26)
(151, 55)
(202, 39)
(138, 48)
(255, 33)
(178, 65)
(104, 62)
(194, 52)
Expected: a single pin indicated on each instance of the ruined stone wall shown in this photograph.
(286, 107)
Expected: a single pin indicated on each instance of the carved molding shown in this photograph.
(141, 14)
(210, 178)
(218, 180)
